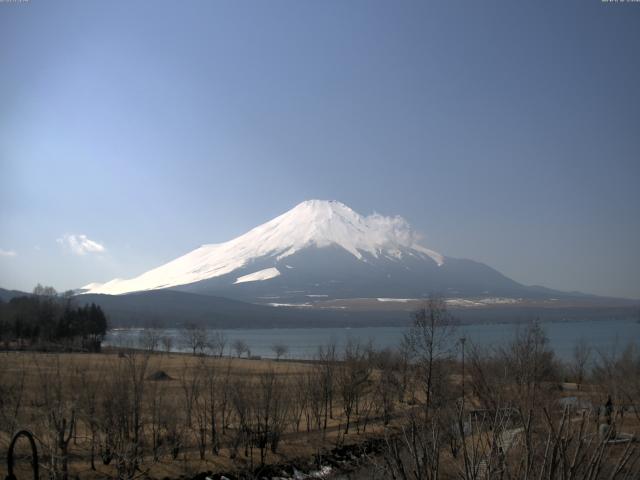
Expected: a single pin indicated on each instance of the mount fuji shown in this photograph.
(319, 251)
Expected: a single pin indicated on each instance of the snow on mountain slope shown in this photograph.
(313, 223)
(265, 274)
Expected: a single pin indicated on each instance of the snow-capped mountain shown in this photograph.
(319, 249)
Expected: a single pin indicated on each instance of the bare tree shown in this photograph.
(91, 390)
(489, 377)
(520, 374)
(270, 410)
(157, 407)
(240, 397)
(279, 349)
(225, 394)
(299, 400)
(122, 420)
(414, 451)
(315, 381)
(617, 373)
(190, 384)
(403, 371)
(202, 408)
(195, 338)
(353, 379)
(240, 347)
(388, 383)
(327, 361)
(167, 343)
(218, 343)
(12, 393)
(530, 365)
(212, 384)
(150, 339)
(580, 361)
(61, 404)
(431, 343)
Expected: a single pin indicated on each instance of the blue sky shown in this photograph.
(506, 132)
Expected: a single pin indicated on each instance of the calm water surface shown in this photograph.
(303, 343)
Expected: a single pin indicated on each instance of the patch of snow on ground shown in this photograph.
(481, 302)
(463, 302)
(401, 300)
(500, 300)
(300, 305)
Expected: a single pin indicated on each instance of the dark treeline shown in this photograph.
(48, 320)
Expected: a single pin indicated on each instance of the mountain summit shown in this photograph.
(313, 223)
(321, 223)
(319, 249)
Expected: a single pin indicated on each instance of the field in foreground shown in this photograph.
(130, 413)
(506, 413)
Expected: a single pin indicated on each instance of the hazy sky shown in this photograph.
(134, 131)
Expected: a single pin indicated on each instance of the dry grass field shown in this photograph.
(159, 411)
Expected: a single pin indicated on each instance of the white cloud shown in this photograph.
(80, 244)
(7, 253)
(393, 227)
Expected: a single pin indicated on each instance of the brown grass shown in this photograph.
(67, 368)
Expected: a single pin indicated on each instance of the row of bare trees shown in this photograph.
(193, 338)
(199, 340)
(122, 413)
(513, 424)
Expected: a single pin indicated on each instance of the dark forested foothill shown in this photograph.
(47, 320)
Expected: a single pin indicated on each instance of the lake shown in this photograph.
(303, 343)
